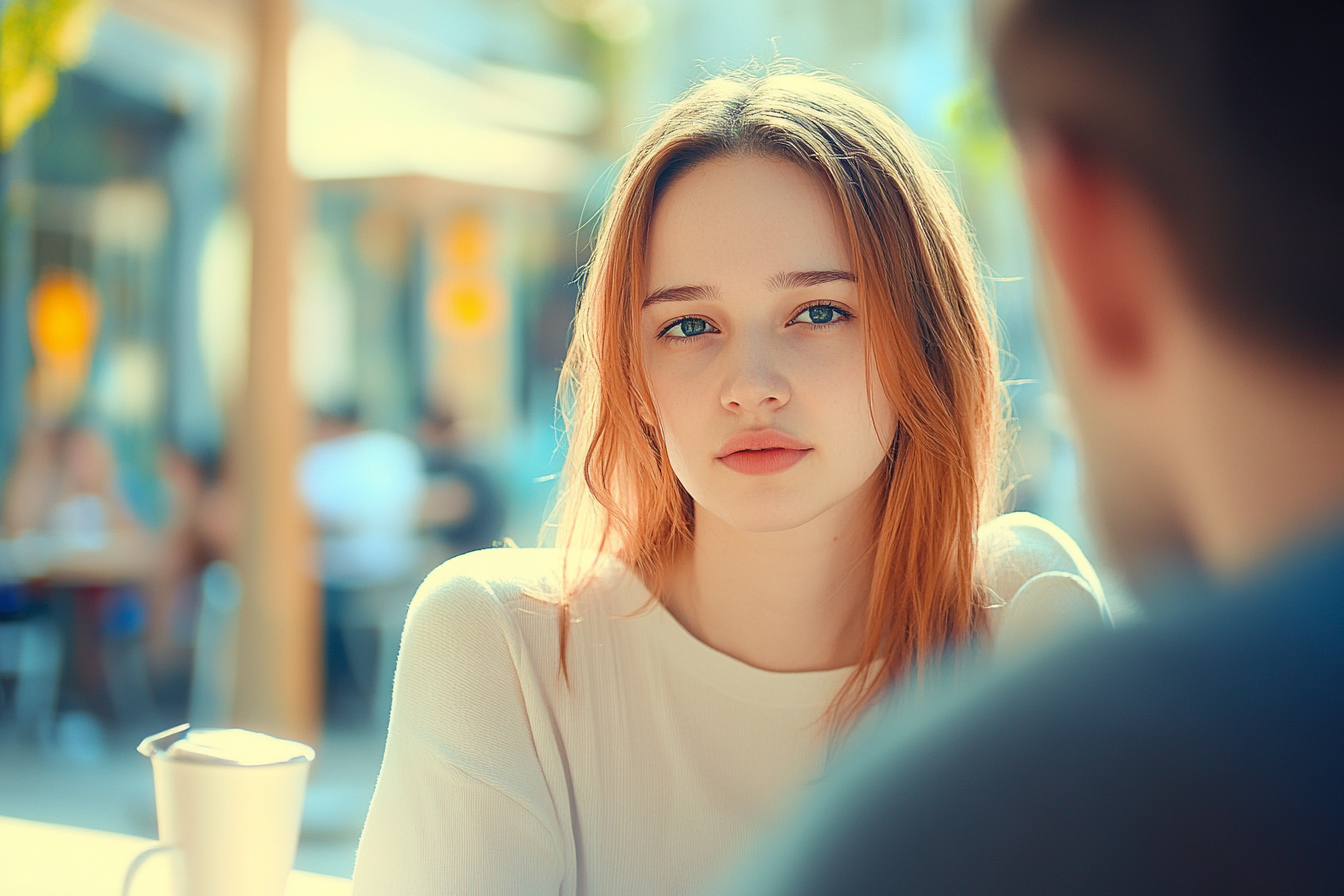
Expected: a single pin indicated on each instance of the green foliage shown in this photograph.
(979, 136)
(38, 38)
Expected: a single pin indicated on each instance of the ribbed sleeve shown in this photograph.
(462, 803)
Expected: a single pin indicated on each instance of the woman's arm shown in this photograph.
(462, 804)
(1043, 585)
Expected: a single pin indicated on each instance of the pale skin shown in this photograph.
(735, 340)
(1195, 434)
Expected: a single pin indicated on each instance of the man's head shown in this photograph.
(1183, 164)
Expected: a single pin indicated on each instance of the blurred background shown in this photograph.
(284, 291)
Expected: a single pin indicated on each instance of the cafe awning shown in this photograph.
(359, 110)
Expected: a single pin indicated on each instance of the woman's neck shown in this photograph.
(786, 601)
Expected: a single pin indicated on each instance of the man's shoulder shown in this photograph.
(1196, 673)
(1199, 748)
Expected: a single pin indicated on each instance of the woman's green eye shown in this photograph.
(687, 327)
(821, 315)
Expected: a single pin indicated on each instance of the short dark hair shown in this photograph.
(1230, 116)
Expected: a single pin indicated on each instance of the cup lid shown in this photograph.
(224, 746)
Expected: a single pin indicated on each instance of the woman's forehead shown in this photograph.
(743, 220)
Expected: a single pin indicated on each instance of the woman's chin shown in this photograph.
(766, 514)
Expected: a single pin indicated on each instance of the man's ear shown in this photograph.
(1097, 235)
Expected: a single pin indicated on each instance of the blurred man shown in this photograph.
(463, 509)
(1182, 161)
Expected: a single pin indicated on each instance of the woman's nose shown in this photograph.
(755, 377)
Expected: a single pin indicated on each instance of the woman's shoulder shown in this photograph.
(518, 577)
(505, 572)
(1016, 547)
(1041, 583)
(513, 593)
(473, 620)
(470, 685)
(485, 627)
(485, 588)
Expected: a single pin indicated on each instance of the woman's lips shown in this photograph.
(764, 461)
(760, 452)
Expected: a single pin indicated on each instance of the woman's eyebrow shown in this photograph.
(682, 294)
(781, 281)
(803, 279)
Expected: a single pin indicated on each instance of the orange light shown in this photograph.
(467, 240)
(63, 317)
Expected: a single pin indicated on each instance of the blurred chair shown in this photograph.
(30, 657)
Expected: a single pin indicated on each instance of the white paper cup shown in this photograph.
(232, 829)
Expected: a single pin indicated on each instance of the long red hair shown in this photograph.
(927, 330)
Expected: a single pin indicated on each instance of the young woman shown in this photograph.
(785, 422)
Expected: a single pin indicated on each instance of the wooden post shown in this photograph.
(279, 675)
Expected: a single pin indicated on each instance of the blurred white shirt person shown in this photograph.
(364, 490)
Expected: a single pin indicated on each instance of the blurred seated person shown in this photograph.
(79, 554)
(1182, 164)
(65, 508)
(364, 488)
(463, 507)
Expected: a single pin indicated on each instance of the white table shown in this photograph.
(39, 859)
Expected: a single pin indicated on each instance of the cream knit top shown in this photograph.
(654, 765)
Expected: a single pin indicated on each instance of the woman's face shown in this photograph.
(754, 348)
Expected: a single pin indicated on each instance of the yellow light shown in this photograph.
(464, 307)
(468, 305)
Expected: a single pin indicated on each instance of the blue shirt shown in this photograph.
(1199, 751)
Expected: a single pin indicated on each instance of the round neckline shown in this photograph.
(727, 674)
